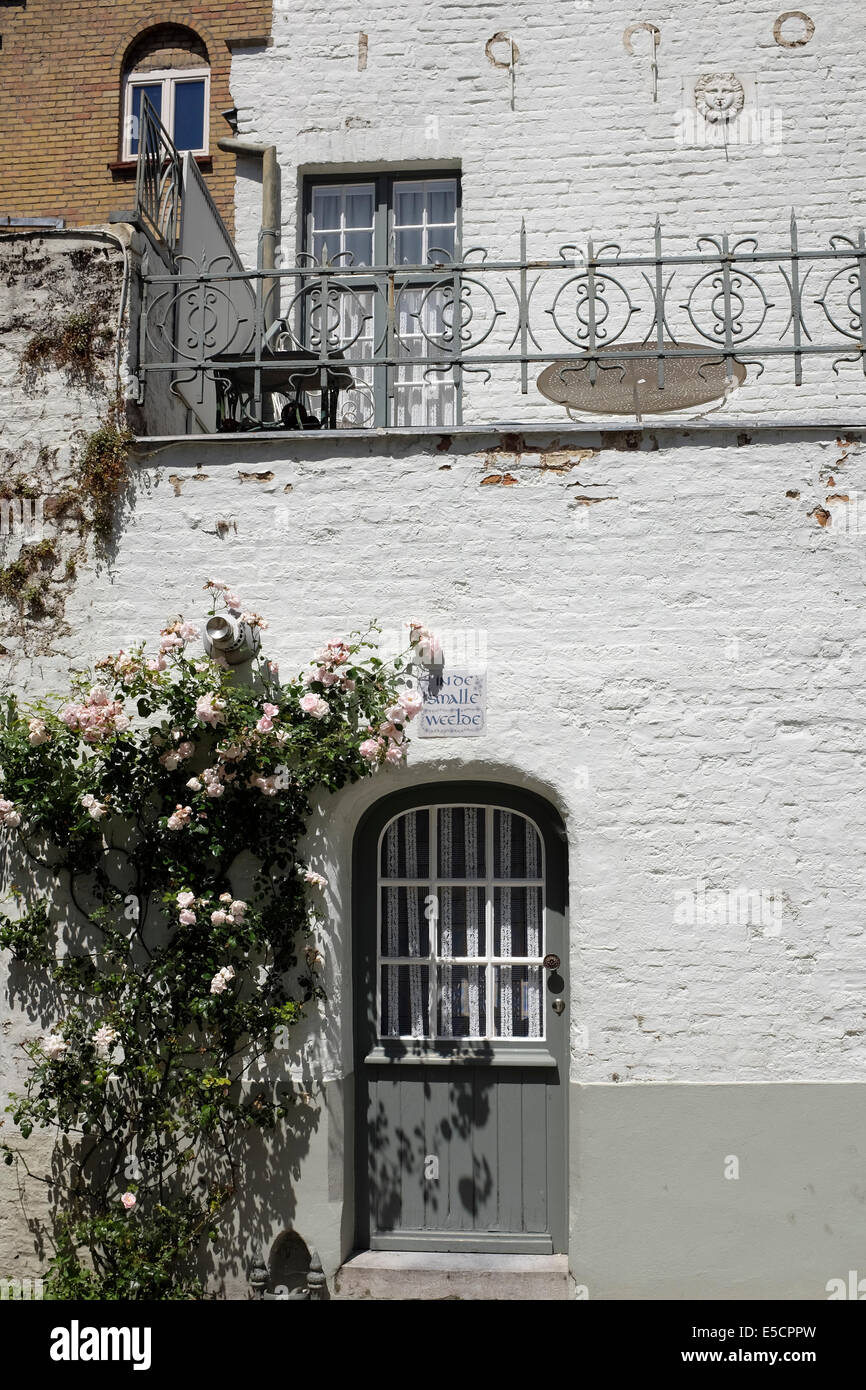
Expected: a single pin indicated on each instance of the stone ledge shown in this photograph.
(435, 1276)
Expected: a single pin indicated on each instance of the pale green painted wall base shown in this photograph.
(653, 1215)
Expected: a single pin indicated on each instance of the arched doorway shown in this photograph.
(461, 1021)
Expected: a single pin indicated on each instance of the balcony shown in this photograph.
(686, 327)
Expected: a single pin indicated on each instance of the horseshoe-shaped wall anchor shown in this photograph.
(656, 40)
(513, 60)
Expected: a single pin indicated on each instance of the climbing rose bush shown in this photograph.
(159, 905)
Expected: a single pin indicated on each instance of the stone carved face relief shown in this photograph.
(719, 96)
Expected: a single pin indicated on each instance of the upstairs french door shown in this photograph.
(403, 222)
(462, 1025)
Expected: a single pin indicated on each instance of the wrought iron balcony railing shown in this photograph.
(399, 344)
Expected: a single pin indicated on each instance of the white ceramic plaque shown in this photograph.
(455, 705)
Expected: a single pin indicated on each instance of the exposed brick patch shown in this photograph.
(60, 71)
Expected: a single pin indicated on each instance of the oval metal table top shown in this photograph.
(629, 385)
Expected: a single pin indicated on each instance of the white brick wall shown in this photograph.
(680, 667)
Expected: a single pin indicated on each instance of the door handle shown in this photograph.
(558, 1006)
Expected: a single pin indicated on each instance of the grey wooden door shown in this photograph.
(461, 1021)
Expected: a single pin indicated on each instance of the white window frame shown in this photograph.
(169, 78)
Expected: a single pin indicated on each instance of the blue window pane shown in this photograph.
(153, 92)
(189, 115)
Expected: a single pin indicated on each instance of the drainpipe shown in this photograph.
(270, 219)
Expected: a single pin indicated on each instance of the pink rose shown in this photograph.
(314, 705)
(187, 918)
(128, 1200)
(411, 703)
(208, 708)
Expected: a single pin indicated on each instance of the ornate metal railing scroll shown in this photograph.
(591, 307)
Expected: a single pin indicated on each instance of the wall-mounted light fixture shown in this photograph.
(228, 637)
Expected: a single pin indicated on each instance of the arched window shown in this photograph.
(169, 65)
(461, 930)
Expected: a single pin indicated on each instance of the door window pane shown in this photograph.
(442, 202)
(517, 993)
(326, 209)
(440, 244)
(462, 1002)
(410, 246)
(359, 245)
(189, 115)
(461, 922)
(359, 207)
(405, 927)
(406, 846)
(461, 842)
(405, 1001)
(516, 846)
(408, 204)
(517, 922)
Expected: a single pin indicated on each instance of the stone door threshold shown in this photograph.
(409, 1274)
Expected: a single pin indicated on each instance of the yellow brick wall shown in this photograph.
(61, 67)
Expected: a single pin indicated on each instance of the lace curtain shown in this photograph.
(461, 925)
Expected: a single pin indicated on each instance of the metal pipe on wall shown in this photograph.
(269, 232)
